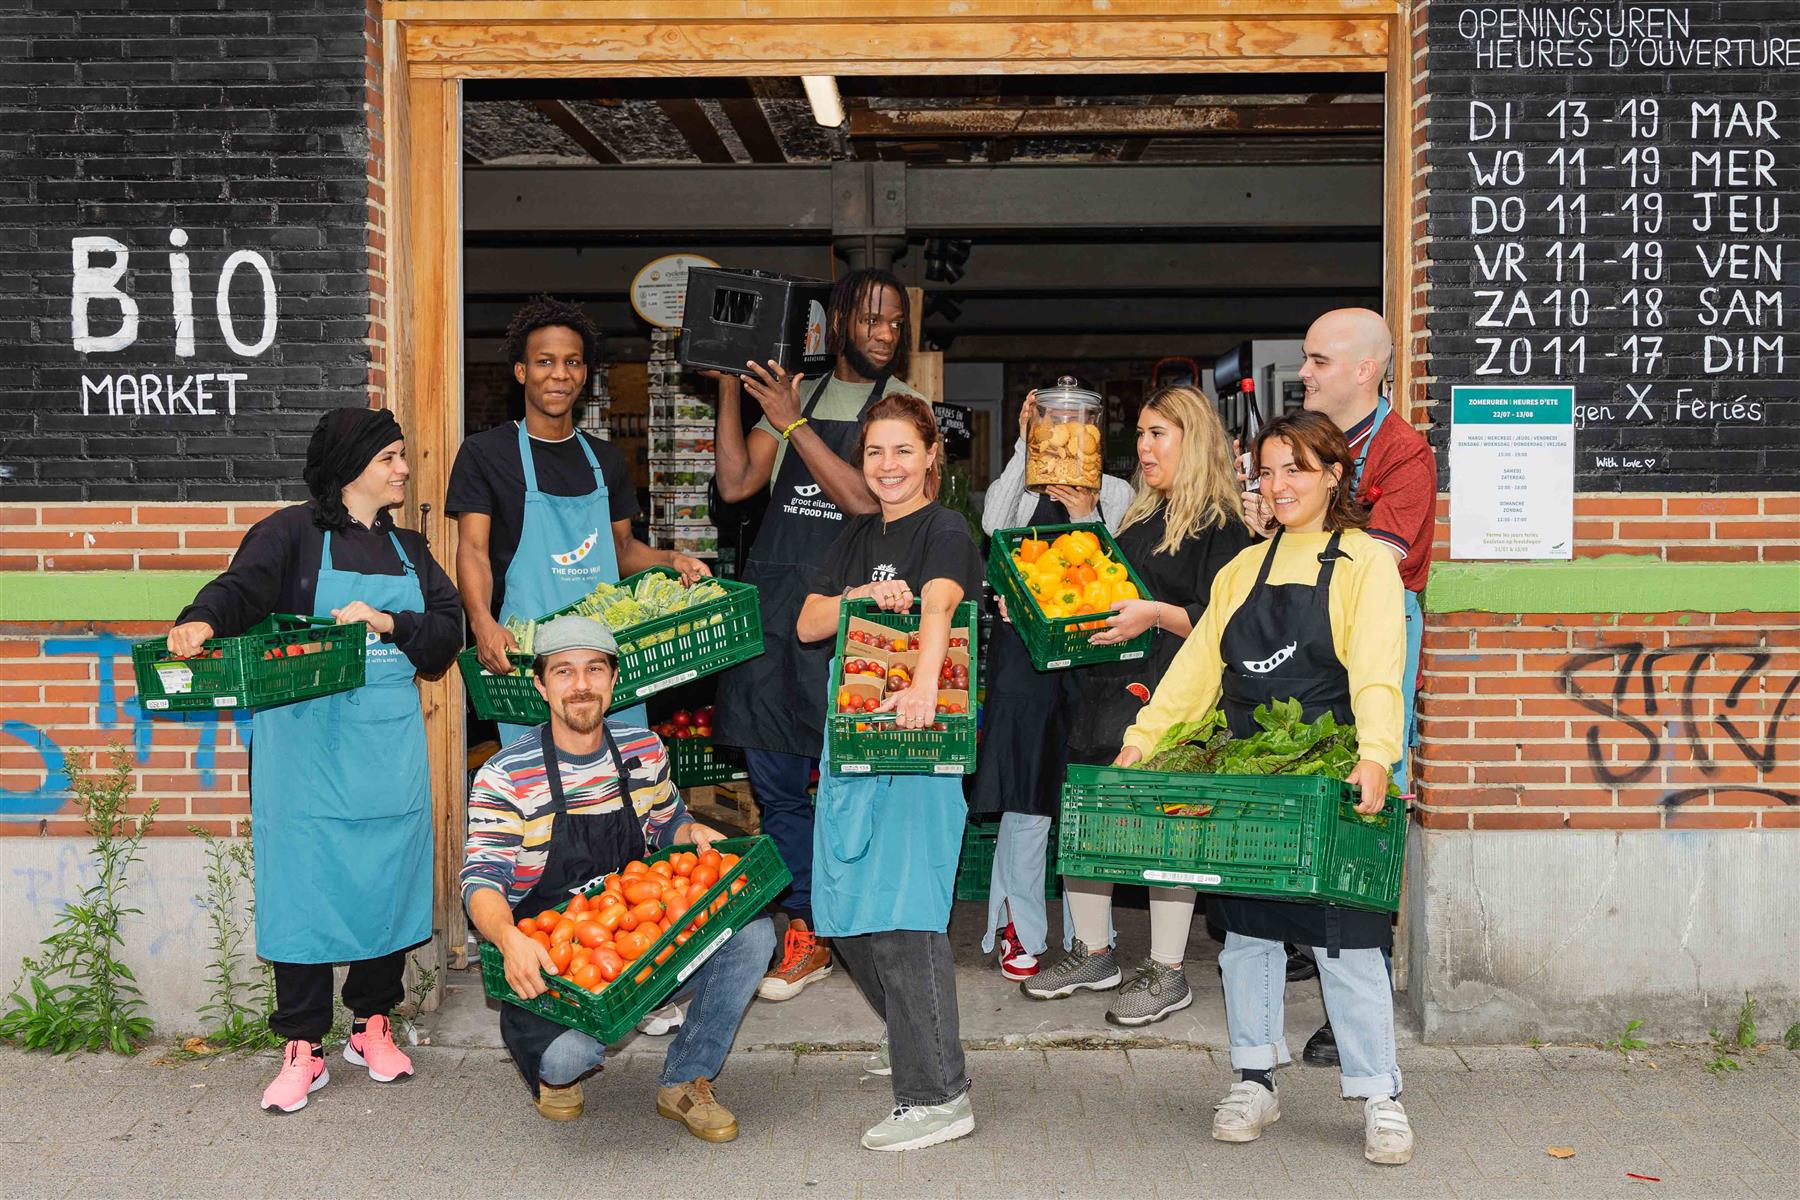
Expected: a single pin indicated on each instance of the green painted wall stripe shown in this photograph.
(1613, 583)
(97, 595)
(1620, 583)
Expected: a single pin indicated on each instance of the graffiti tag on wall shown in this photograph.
(1656, 716)
(110, 713)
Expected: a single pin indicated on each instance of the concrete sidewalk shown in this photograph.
(1067, 1106)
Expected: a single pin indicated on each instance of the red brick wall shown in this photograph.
(123, 537)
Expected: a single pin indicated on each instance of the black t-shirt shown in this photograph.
(933, 543)
(488, 478)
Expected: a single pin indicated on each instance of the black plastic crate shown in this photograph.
(733, 317)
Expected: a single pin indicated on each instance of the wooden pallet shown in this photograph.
(726, 805)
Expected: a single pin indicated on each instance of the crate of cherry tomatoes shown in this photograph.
(693, 759)
(877, 653)
(623, 944)
(284, 659)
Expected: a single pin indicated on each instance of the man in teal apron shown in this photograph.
(803, 451)
(542, 507)
(339, 785)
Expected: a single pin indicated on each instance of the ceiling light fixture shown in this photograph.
(827, 104)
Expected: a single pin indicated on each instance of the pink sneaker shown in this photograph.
(302, 1073)
(374, 1048)
(1015, 963)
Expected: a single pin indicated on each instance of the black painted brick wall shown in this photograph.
(241, 123)
(1688, 455)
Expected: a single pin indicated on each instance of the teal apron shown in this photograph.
(884, 850)
(341, 799)
(565, 548)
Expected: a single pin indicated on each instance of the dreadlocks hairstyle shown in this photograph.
(852, 296)
(542, 313)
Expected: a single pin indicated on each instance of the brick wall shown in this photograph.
(117, 537)
(222, 133)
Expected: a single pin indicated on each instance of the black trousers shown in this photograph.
(303, 994)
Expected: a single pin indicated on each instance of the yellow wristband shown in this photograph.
(790, 429)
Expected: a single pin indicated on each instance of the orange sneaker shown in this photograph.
(805, 959)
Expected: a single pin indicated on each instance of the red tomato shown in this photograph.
(589, 934)
(541, 938)
(561, 954)
(587, 977)
(663, 868)
(631, 946)
(548, 919)
(528, 926)
(704, 876)
(647, 912)
(681, 720)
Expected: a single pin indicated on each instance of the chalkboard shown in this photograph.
(1614, 195)
(953, 427)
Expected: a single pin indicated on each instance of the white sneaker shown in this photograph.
(659, 1021)
(914, 1126)
(1387, 1134)
(879, 1063)
(1247, 1109)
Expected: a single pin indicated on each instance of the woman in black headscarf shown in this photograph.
(339, 784)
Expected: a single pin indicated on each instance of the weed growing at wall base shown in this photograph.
(79, 994)
(239, 1008)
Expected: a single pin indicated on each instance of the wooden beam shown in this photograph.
(1115, 120)
(577, 132)
(702, 138)
(1400, 224)
(751, 124)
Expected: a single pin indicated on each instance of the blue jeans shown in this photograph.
(722, 990)
(779, 783)
(1016, 887)
(1359, 1002)
(1409, 687)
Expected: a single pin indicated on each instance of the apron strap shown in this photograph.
(1328, 557)
(812, 398)
(1262, 575)
(406, 564)
(559, 802)
(525, 460)
(1382, 408)
(325, 554)
(593, 463)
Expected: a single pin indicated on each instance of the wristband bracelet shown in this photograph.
(790, 429)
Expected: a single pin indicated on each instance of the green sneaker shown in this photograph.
(878, 1063)
(914, 1126)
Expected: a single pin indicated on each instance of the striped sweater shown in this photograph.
(511, 810)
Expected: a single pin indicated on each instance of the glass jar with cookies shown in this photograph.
(1062, 444)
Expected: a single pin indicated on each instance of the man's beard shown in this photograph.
(582, 723)
(859, 362)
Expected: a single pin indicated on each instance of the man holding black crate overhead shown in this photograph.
(339, 783)
(550, 815)
(544, 511)
(804, 451)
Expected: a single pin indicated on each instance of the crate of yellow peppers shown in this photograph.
(1060, 583)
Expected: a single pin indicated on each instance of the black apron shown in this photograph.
(582, 849)
(1023, 727)
(1104, 700)
(776, 701)
(1278, 646)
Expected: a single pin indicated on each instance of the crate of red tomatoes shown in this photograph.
(877, 653)
(693, 759)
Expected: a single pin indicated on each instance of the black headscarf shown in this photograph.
(344, 442)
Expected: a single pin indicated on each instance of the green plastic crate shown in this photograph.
(1058, 642)
(241, 675)
(1285, 837)
(882, 748)
(696, 762)
(975, 869)
(653, 655)
(609, 1015)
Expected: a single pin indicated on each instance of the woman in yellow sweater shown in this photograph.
(1315, 615)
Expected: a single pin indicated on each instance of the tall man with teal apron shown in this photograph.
(540, 506)
(803, 451)
(339, 785)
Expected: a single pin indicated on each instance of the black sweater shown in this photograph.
(276, 570)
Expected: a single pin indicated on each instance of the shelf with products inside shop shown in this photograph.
(682, 441)
(680, 506)
(702, 541)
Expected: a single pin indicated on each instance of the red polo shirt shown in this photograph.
(1399, 483)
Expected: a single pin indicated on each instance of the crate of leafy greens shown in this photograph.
(283, 659)
(667, 635)
(609, 978)
(1268, 815)
(975, 869)
(1059, 583)
(877, 653)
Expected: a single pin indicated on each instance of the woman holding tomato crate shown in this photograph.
(885, 846)
(1182, 527)
(1312, 615)
(339, 789)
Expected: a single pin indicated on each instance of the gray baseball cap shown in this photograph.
(575, 633)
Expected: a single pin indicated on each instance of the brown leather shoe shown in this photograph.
(805, 958)
(695, 1105)
(559, 1103)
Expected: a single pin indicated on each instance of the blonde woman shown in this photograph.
(1184, 524)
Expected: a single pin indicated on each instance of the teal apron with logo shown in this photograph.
(565, 548)
(341, 799)
(884, 850)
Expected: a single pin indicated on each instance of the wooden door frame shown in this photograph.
(431, 46)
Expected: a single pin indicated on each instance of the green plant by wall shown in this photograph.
(79, 994)
(243, 986)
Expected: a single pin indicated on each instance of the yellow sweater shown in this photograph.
(1368, 629)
